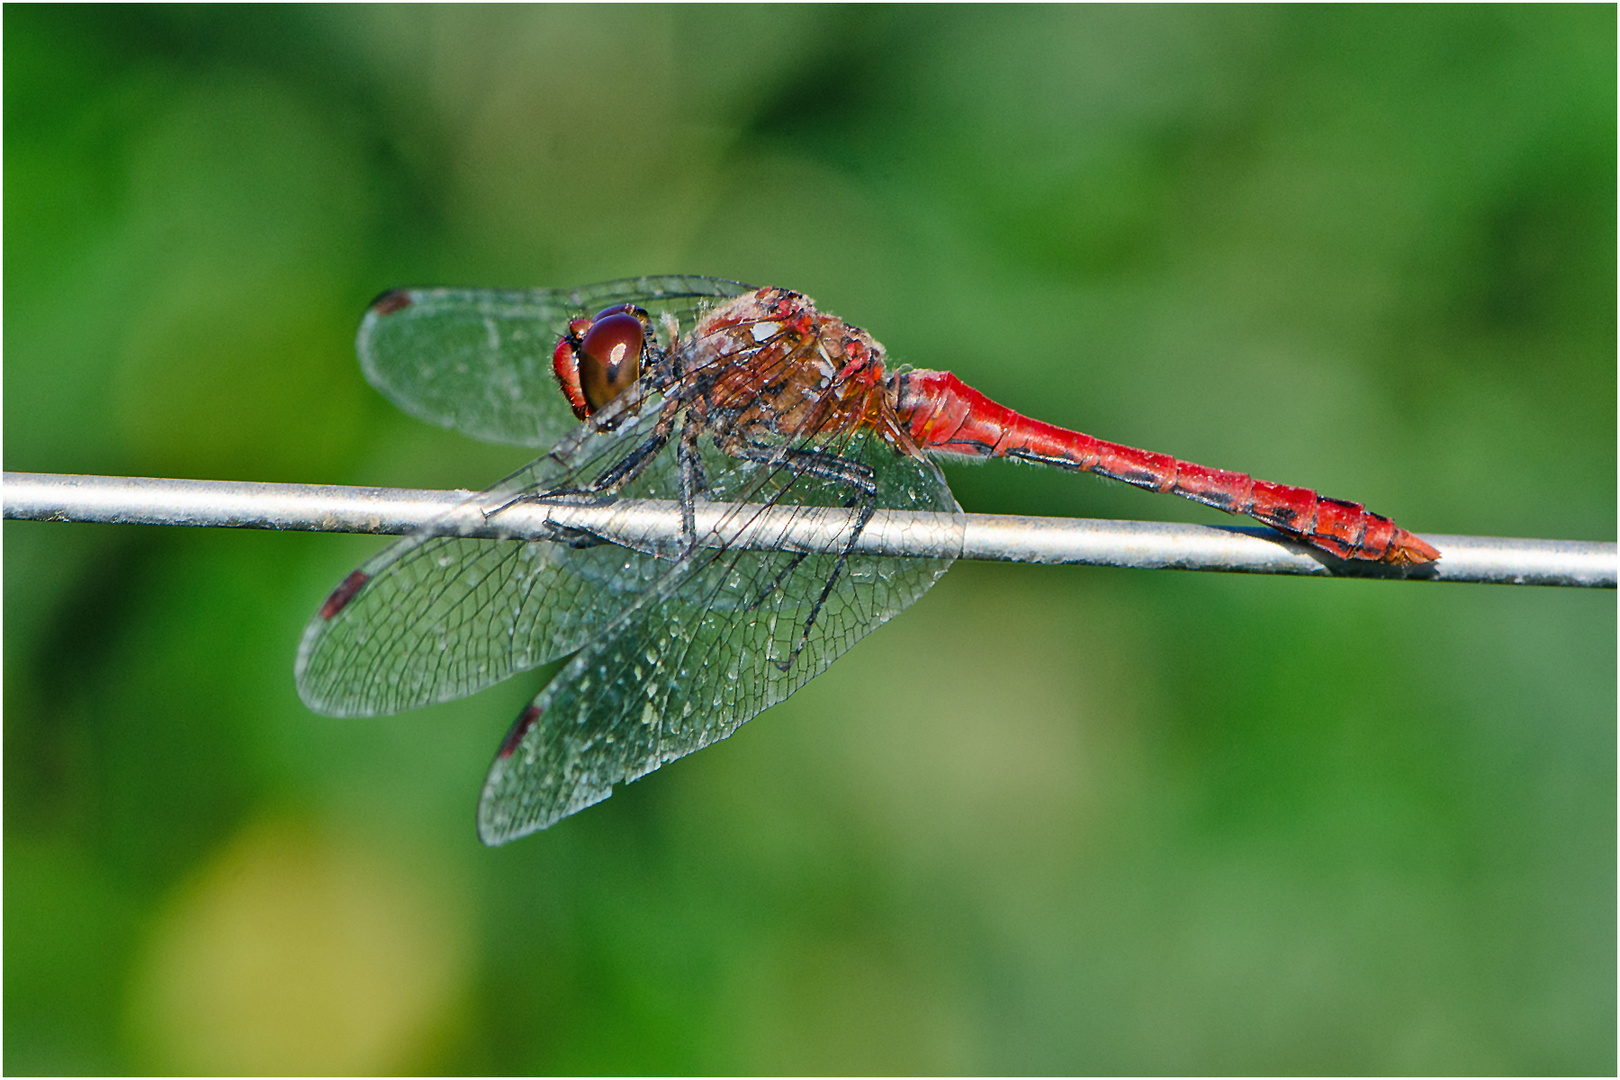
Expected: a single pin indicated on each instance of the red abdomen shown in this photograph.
(946, 416)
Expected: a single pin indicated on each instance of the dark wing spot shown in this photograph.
(526, 720)
(344, 593)
(391, 301)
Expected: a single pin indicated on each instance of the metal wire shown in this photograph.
(1085, 541)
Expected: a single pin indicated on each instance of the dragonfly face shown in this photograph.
(602, 357)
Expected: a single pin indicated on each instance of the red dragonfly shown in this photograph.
(707, 393)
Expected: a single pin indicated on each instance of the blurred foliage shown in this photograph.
(1052, 819)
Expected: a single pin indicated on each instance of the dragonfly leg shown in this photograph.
(635, 462)
(623, 472)
(693, 482)
(863, 499)
(602, 489)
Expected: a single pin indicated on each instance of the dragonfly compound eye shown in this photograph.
(610, 357)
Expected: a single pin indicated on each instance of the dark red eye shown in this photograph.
(610, 357)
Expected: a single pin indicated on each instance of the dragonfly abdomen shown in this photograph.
(944, 415)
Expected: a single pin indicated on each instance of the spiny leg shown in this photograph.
(853, 475)
(623, 472)
(692, 481)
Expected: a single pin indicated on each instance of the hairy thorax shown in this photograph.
(782, 368)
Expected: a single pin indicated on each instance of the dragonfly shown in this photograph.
(710, 395)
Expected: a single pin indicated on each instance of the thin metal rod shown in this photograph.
(1140, 544)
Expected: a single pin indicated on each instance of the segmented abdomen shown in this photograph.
(944, 415)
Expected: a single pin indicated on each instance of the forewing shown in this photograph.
(708, 646)
(479, 360)
(439, 614)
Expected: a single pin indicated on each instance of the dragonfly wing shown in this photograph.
(441, 614)
(708, 646)
(479, 360)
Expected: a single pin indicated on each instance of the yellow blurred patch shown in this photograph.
(295, 954)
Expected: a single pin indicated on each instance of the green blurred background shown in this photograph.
(1049, 820)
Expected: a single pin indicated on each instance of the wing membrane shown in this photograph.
(479, 360)
(439, 615)
(705, 649)
(676, 646)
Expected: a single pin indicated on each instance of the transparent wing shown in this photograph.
(706, 647)
(439, 614)
(479, 360)
(676, 646)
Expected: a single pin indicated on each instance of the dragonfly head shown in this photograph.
(600, 357)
